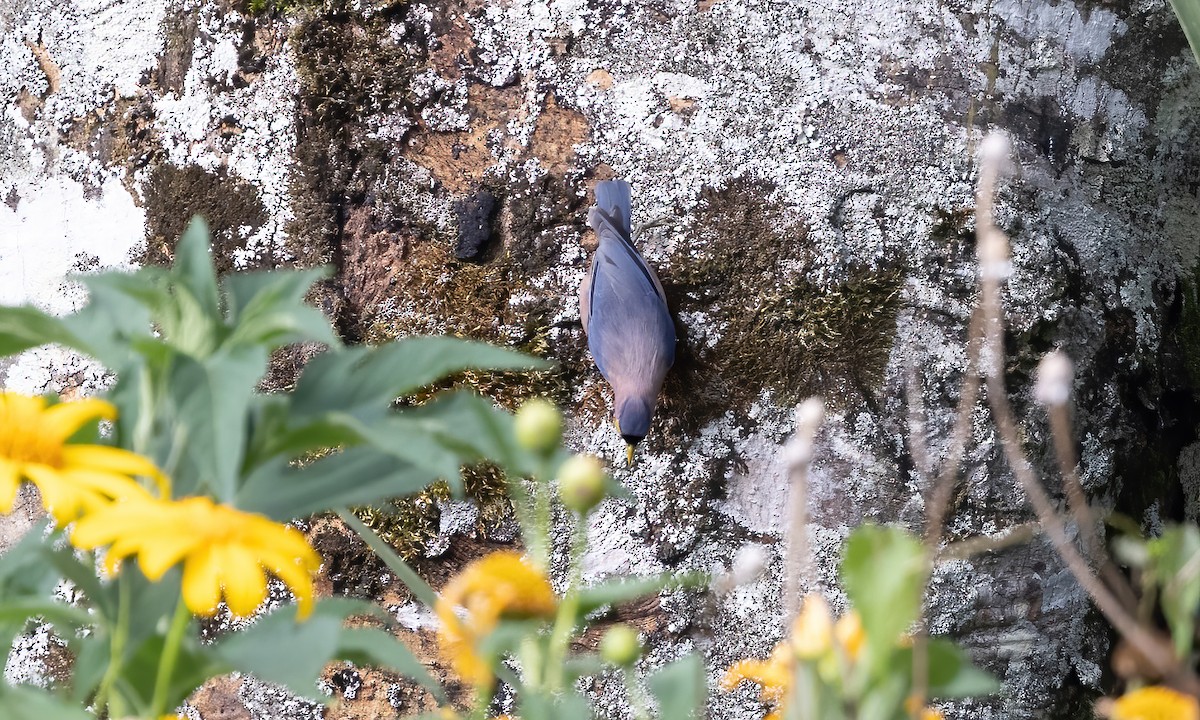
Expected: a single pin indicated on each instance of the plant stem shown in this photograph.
(170, 654)
(116, 656)
(637, 703)
(541, 521)
(568, 610)
(993, 251)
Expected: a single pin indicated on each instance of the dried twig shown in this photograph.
(1016, 535)
(798, 455)
(994, 266)
(1052, 390)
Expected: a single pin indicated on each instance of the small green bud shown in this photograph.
(620, 645)
(581, 483)
(538, 426)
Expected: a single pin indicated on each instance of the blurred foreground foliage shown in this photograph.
(212, 470)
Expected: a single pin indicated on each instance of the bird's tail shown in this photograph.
(612, 208)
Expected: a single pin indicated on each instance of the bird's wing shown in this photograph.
(629, 327)
(630, 331)
(585, 295)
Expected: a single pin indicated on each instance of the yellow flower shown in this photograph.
(931, 714)
(73, 478)
(812, 637)
(495, 586)
(812, 632)
(224, 551)
(1155, 703)
(849, 633)
(773, 675)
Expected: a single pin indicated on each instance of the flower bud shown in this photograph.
(581, 483)
(1054, 378)
(620, 645)
(748, 563)
(538, 426)
(812, 632)
(848, 631)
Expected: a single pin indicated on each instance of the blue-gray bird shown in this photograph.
(624, 314)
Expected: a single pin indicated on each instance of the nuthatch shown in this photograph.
(624, 313)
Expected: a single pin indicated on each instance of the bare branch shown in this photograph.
(994, 265)
(798, 454)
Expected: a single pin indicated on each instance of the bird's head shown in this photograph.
(632, 418)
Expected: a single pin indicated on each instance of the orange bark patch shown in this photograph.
(459, 159)
(600, 78)
(557, 133)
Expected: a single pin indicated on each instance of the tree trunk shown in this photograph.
(808, 170)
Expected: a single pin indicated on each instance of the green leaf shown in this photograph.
(27, 703)
(951, 673)
(471, 426)
(25, 327)
(372, 646)
(623, 590)
(193, 666)
(61, 615)
(91, 661)
(456, 429)
(620, 590)
(119, 313)
(584, 665)
(1188, 12)
(364, 378)
(1176, 557)
(884, 572)
(884, 699)
(279, 650)
(534, 705)
(151, 604)
(679, 688)
(24, 573)
(268, 308)
(214, 396)
(358, 476)
(193, 267)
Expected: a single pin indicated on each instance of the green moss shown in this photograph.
(174, 194)
(408, 524)
(745, 270)
(437, 293)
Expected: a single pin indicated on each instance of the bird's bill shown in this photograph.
(628, 454)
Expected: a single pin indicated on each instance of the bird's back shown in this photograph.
(630, 332)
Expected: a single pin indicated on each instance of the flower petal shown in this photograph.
(63, 499)
(103, 483)
(244, 582)
(156, 557)
(201, 582)
(111, 459)
(298, 578)
(61, 421)
(125, 519)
